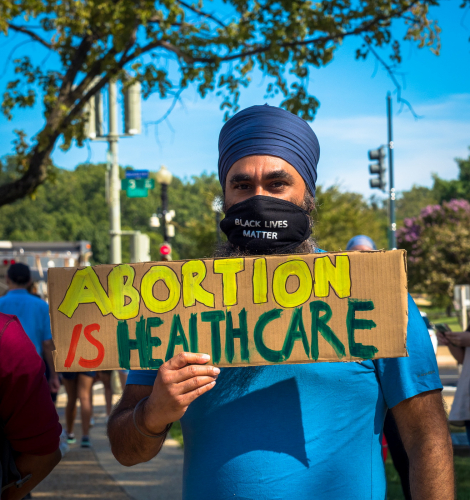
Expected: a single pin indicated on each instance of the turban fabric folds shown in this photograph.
(267, 130)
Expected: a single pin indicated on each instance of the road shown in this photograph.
(95, 474)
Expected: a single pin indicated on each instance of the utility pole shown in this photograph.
(114, 180)
(94, 131)
(393, 226)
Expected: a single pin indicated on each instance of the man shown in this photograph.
(30, 429)
(308, 431)
(33, 314)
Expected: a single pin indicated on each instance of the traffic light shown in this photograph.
(378, 168)
(165, 251)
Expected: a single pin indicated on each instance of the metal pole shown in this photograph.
(463, 307)
(164, 210)
(114, 181)
(393, 225)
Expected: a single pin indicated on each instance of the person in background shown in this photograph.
(33, 314)
(29, 424)
(400, 460)
(105, 377)
(78, 385)
(459, 346)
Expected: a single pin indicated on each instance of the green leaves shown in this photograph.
(170, 44)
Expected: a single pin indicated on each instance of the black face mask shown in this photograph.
(265, 225)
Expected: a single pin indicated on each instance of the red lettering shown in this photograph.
(92, 363)
(77, 330)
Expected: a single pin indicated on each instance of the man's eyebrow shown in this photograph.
(278, 174)
(240, 178)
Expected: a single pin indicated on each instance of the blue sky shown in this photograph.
(350, 120)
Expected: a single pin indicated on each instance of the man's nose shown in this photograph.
(260, 191)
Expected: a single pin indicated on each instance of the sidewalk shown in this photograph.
(95, 474)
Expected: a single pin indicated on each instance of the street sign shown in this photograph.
(137, 174)
(127, 184)
(137, 193)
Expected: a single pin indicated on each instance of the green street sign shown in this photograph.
(137, 193)
(131, 184)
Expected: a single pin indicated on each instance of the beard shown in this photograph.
(236, 382)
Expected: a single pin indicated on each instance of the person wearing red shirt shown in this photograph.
(28, 418)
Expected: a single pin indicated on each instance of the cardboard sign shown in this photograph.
(241, 311)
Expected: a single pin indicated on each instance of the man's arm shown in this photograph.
(48, 347)
(38, 467)
(179, 382)
(422, 423)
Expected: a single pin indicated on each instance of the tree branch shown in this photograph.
(26, 31)
(201, 13)
(299, 43)
(391, 74)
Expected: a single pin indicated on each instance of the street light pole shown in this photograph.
(164, 178)
(114, 181)
(393, 225)
(164, 210)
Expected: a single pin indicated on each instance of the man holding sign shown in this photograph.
(308, 430)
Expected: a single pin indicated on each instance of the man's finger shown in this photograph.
(193, 384)
(186, 358)
(191, 371)
(188, 398)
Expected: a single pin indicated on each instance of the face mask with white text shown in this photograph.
(266, 225)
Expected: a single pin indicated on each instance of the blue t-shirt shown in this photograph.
(32, 312)
(306, 431)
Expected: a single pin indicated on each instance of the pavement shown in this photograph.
(94, 473)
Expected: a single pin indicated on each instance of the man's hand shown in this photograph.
(459, 339)
(179, 382)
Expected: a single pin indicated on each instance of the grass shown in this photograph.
(177, 433)
(462, 478)
(436, 315)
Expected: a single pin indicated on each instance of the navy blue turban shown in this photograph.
(266, 130)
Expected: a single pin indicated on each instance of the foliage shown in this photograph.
(438, 246)
(342, 215)
(410, 203)
(455, 188)
(87, 44)
(74, 207)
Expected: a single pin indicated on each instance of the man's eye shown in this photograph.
(242, 186)
(278, 184)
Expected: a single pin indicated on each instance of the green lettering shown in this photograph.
(296, 331)
(193, 337)
(214, 318)
(125, 345)
(357, 349)
(237, 333)
(268, 354)
(177, 337)
(319, 324)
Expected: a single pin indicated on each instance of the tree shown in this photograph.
(438, 246)
(73, 207)
(342, 215)
(410, 203)
(455, 188)
(93, 42)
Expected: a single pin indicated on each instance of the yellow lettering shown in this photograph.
(119, 288)
(297, 268)
(229, 269)
(85, 289)
(193, 273)
(170, 279)
(260, 282)
(338, 276)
